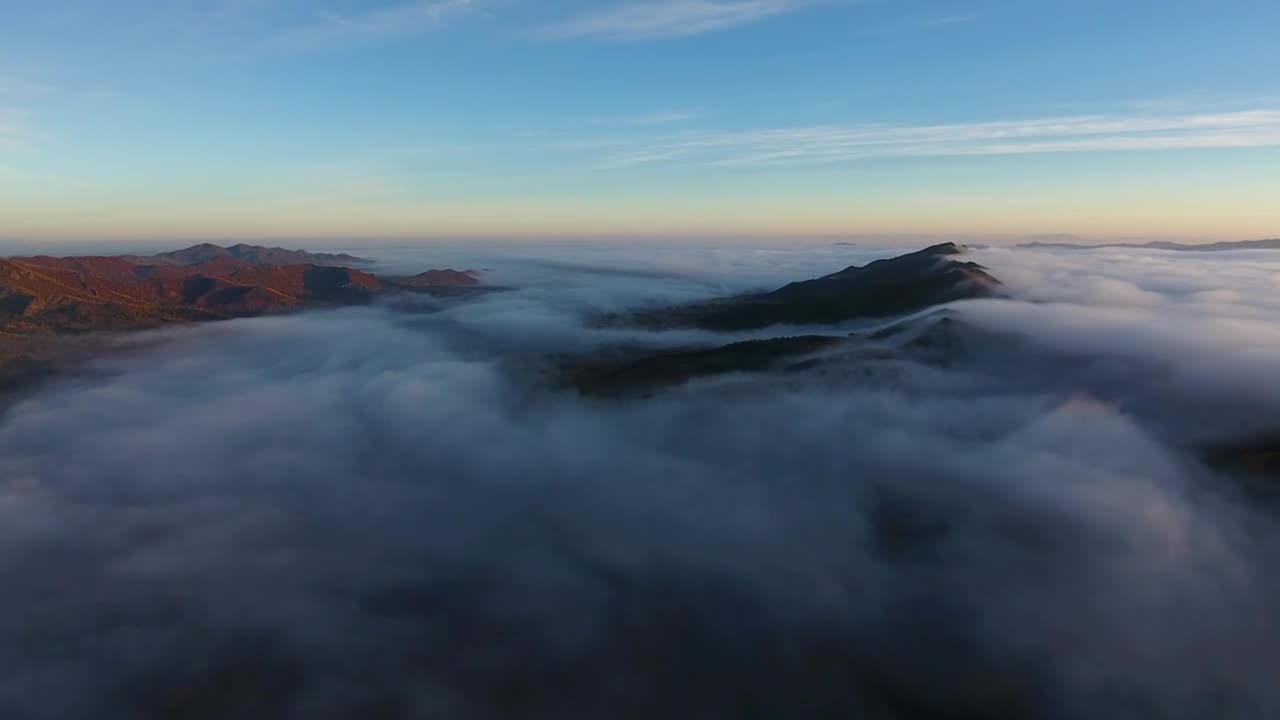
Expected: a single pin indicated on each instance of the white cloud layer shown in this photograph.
(390, 511)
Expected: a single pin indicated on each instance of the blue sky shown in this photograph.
(416, 118)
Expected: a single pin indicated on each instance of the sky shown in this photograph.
(372, 119)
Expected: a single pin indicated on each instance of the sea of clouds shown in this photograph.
(395, 511)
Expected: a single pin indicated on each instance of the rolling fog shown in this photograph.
(395, 512)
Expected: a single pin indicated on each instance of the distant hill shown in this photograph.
(437, 279)
(256, 254)
(1272, 244)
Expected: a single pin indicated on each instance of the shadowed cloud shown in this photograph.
(390, 511)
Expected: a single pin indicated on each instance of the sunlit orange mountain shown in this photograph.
(78, 294)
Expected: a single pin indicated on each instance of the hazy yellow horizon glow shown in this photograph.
(1175, 217)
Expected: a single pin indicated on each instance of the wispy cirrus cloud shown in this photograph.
(11, 137)
(944, 20)
(15, 131)
(834, 144)
(391, 21)
(17, 96)
(16, 87)
(649, 119)
(672, 18)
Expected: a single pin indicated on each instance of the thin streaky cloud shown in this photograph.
(587, 145)
(410, 18)
(833, 144)
(641, 157)
(672, 18)
(649, 119)
(16, 87)
(14, 135)
(1232, 139)
(662, 117)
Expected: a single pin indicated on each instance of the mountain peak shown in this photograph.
(946, 248)
(887, 287)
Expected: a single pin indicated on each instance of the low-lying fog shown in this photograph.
(393, 512)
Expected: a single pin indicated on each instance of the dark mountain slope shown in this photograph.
(884, 288)
(628, 373)
(939, 339)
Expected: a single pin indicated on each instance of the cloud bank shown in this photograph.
(392, 512)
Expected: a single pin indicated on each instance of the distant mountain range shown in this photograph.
(255, 254)
(1272, 244)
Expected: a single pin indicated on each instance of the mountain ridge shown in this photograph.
(1267, 244)
(60, 295)
(883, 288)
(258, 254)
